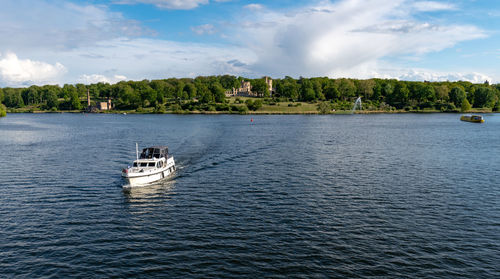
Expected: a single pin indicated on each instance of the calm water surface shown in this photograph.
(401, 196)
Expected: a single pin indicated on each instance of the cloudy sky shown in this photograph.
(54, 41)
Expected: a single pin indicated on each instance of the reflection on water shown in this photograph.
(145, 198)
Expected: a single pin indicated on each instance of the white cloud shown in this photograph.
(139, 59)
(349, 37)
(254, 7)
(21, 72)
(433, 6)
(204, 29)
(95, 78)
(429, 75)
(168, 4)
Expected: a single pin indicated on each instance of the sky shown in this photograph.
(58, 42)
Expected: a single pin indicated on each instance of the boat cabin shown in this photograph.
(154, 152)
(157, 164)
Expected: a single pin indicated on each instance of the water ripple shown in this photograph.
(401, 196)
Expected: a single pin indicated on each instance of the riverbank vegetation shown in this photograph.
(295, 96)
(3, 109)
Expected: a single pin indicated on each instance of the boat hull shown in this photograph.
(137, 179)
(473, 118)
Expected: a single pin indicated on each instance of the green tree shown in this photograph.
(204, 94)
(190, 90)
(484, 97)
(331, 92)
(318, 89)
(228, 82)
(307, 92)
(50, 97)
(465, 106)
(31, 95)
(81, 90)
(424, 92)
(377, 90)
(217, 92)
(457, 95)
(75, 101)
(442, 92)
(346, 88)
(13, 98)
(288, 88)
(260, 86)
(126, 97)
(365, 88)
(399, 96)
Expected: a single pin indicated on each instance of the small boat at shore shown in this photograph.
(153, 164)
(472, 118)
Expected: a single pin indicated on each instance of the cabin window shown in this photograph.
(151, 164)
(135, 164)
(144, 164)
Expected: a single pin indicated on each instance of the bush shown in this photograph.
(222, 107)
(256, 105)
(3, 110)
(465, 106)
(233, 108)
(160, 109)
(176, 108)
(253, 105)
(243, 109)
(497, 106)
(324, 108)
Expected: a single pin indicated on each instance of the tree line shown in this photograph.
(208, 92)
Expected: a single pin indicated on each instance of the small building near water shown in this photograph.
(105, 105)
(108, 105)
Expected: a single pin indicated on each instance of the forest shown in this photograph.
(207, 93)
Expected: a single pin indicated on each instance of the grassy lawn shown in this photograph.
(284, 108)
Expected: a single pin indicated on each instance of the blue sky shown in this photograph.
(57, 42)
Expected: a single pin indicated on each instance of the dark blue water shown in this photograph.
(401, 196)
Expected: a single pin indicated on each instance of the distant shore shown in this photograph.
(255, 106)
(258, 112)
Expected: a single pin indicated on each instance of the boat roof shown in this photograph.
(157, 147)
(154, 152)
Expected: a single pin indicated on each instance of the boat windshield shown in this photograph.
(154, 152)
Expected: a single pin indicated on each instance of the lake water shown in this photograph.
(402, 196)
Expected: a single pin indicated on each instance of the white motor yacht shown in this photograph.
(153, 164)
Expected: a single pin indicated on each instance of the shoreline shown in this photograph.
(346, 112)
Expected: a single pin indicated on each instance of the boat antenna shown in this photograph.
(136, 151)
